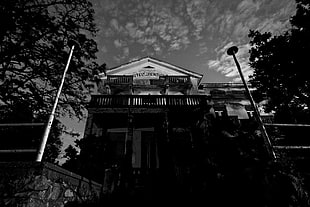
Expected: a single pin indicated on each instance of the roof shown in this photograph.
(150, 62)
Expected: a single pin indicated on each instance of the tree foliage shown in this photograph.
(91, 161)
(28, 137)
(34, 50)
(280, 67)
(54, 143)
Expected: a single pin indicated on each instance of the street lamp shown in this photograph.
(232, 51)
(73, 44)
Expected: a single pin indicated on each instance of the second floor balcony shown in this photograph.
(162, 80)
(122, 101)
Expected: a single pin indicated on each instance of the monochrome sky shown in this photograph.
(193, 34)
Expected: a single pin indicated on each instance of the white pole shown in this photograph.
(52, 115)
(232, 51)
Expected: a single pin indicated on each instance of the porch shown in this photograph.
(125, 101)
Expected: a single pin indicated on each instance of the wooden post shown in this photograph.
(89, 124)
(129, 137)
(127, 172)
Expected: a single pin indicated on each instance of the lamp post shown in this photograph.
(232, 51)
(52, 115)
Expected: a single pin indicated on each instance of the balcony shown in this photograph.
(162, 80)
(125, 101)
(175, 80)
(120, 79)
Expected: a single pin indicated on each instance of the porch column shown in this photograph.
(127, 162)
(89, 124)
(166, 164)
(129, 137)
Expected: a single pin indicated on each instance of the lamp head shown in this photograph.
(73, 43)
(232, 50)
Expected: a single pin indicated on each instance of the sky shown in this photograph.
(193, 34)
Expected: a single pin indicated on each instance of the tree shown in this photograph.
(92, 160)
(33, 54)
(54, 143)
(34, 51)
(28, 137)
(71, 155)
(280, 71)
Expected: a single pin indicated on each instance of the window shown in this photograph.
(117, 145)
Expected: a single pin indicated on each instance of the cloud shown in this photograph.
(223, 48)
(119, 43)
(213, 64)
(133, 31)
(251, 15)
(226, 65)
(171, 30)
(147, 40)
(103, 49)
(157, 25)
(274, 16)
(241, 30)
(272, 25)
(203, 49)
(232, 28)
(165, 27)
(247, 8)
(196, 10)
(114, 25)
(224, 23)
(126, 51)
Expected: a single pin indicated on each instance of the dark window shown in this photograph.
(117, 145)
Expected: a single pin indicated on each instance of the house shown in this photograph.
(148, 110)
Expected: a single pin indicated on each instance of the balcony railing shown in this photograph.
(223, 85)
(110, 101)
(128, 79)
(120, 79)
(176, 79)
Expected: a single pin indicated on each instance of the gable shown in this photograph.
(151, 68)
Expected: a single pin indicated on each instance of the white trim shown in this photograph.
(118, 130)
(148, 129)
(157, 62)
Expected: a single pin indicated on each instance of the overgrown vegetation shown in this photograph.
(280, 68)
(224, 163)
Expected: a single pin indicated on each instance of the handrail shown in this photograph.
(21, 124)
(119, 79)
(292, 147)
(222, 85)
(18, 150)
(286, 125)
(128, 79)
(177, 79)
(146, 100)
